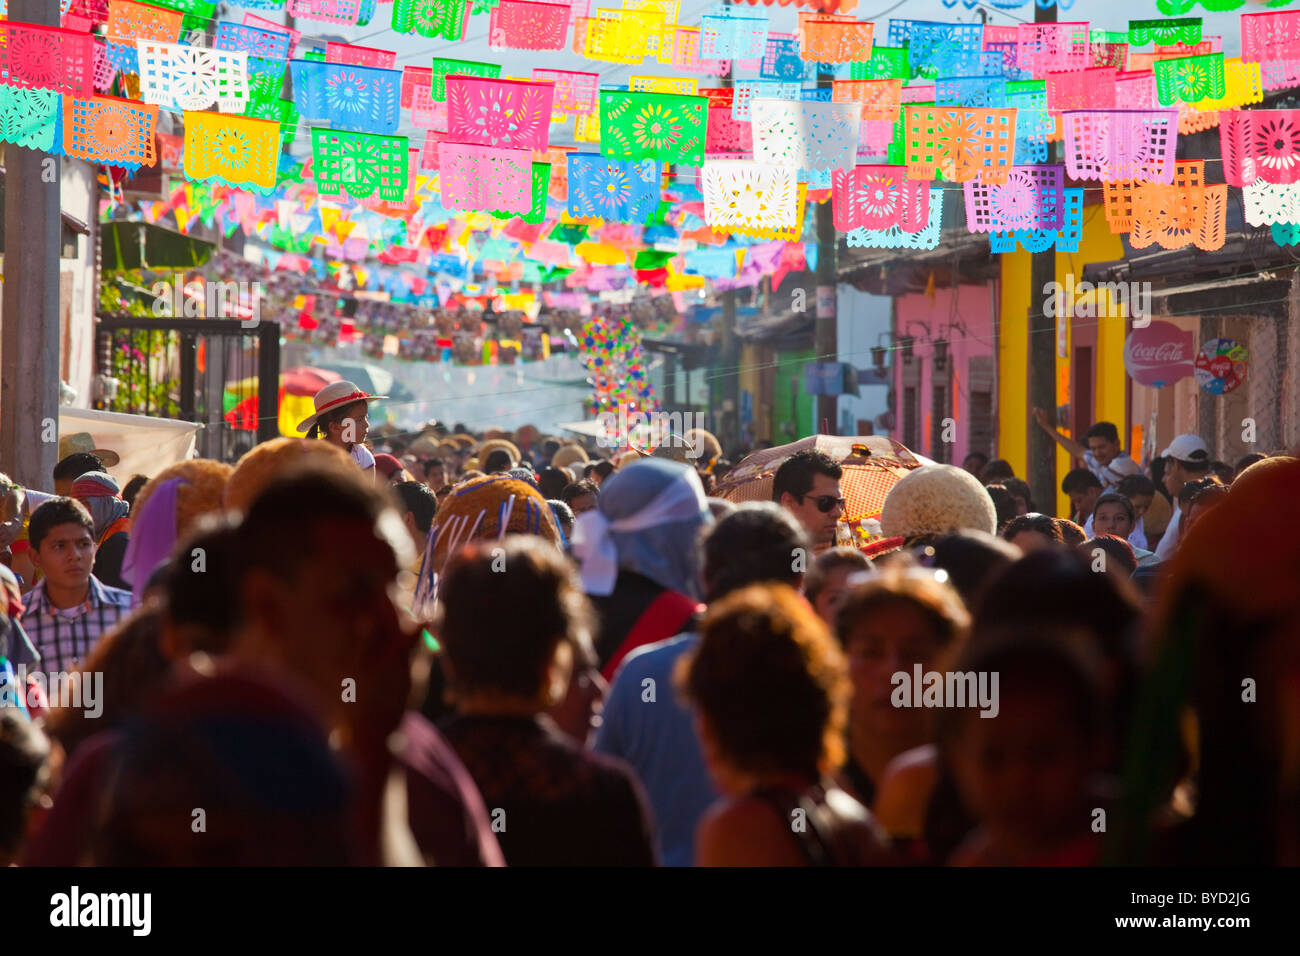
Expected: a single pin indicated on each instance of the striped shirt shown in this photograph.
(63, 638)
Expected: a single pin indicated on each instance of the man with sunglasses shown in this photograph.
(808, 486)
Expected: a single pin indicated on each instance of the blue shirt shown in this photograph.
(645, 724)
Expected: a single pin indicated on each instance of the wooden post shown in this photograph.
(825, 335)
(1042, 357)
(29, 341)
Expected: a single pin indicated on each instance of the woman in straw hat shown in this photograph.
(342, 419)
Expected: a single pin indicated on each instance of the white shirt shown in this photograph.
(1137, 537)
(363, 457)
(1170, 540)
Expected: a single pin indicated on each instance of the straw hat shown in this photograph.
(336, 395)
(80, 442)
(568, 455)
(495, 444)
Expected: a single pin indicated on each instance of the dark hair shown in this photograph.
(1131, 485)
(1113, 545)
(971, 559)
(133, 488)
(1079, 479)
(498, 460)
(829, 562)
(564, 516)
(1223, 471)
(552, 482)
(795, 476)
(272, 534)
(1043, 524)
(199, 595)
(578, 489)
(1106, 430)
(1004, 503)
(588, 469)
(1072, 534)
(1191, 490)
(1056, 590)
(979, 455)
(430, 464)
(900, 586)
(1019, 488)
(419, 501)
(770, 681)
(604, 469)
(549, 448)
(997, 471)
(757, 542)
(76, 465)
(1196, 465)
(489, 650)
(24, 750)
(1245, 461)
(55, 512)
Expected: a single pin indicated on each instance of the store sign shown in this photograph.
(1159, 354)
(1220, 366)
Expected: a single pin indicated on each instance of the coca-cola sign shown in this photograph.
(1159, 354)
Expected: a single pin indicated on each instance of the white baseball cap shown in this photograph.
(1187, 448)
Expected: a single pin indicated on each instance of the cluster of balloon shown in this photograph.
(611, 349)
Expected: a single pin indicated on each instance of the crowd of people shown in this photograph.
(501, 649)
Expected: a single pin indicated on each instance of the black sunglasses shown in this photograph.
(826, 502)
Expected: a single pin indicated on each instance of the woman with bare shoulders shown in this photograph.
(770, 691)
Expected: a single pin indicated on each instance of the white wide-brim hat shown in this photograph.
(335, 395)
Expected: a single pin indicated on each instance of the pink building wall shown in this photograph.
(964, 318)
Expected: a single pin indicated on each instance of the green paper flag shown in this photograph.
(667, 127)
(444, 67)
(885, 63)
(430, 18)
(361, 163)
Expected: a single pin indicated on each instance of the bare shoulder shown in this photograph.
(745, 832)
(905, 789)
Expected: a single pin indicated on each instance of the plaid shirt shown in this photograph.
(63, 638)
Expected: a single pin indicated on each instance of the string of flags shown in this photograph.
(718, 140)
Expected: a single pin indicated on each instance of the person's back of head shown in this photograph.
(757, 542)
(247, 753)
(498, 461)
(1004, 503)
(417, 500)
(199, 581)
(563, 516)
(24, 773)
(551, 482)
(1136, 486)
(795, 476)
(488, 651)
(971, 559)
(1072, 535)
(997, 472)
(76, 465)
(603, 469)
(1079, 480)
(1106, 548)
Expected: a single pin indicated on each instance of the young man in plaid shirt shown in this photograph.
(67, 611)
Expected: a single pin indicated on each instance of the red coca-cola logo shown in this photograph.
(1159, 354)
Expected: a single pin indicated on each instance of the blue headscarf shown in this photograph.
(648, 519)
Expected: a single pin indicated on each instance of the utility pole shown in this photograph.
(29, 341)
(1042, 354)
(825, 341)
(728, 377)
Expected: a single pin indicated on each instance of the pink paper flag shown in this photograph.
(485, 178)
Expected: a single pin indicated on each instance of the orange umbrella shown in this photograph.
(872, 465)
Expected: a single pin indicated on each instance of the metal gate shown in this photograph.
(216, 372)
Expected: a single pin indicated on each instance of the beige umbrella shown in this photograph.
(872, 465)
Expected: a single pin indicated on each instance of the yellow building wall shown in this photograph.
(1098, 244)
